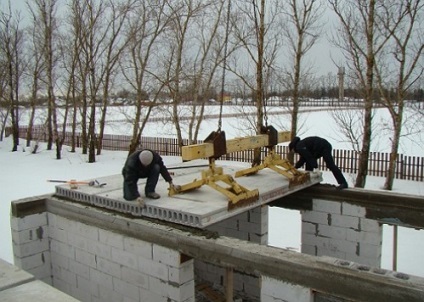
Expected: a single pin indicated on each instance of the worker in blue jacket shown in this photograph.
(143, 164)
(310, 150)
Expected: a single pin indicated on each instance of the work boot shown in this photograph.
(153, 195)
(342, 186)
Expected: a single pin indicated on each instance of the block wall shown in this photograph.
(93, 264)
(31, 249)
(251, 226)
(341, 230)
(274, 290)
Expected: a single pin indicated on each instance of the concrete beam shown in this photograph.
(381, 206)
(327, 275)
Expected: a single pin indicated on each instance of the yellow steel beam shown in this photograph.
(206, 150)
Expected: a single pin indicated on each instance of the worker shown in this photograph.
(310, 150)
(144, 164)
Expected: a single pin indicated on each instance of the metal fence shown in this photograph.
(407, 167)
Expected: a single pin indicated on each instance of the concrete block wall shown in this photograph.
(31, 249)
(341, 230)
(93, 264)
(251, 226)
(274, 290)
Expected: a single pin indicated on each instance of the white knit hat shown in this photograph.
(146, 157)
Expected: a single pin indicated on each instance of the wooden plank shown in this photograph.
(206, 150)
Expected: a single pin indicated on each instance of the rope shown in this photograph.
(225, 64)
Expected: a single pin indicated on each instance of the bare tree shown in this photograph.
(176, 59)
(254, 30)
(360, 42)
(148, 20)
(398, 65)
(11, 47)
(44, 13)
(114, 47)
(36, 67)
(88, 17)
(97, 25)
(301, 28)
(211, 53)
(71, 52)
(4, 104)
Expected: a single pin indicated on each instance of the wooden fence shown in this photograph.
(407, 167)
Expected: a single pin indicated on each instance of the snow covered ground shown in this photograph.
(24, 174)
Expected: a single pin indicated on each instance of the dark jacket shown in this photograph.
(135, 170)
(310, 149)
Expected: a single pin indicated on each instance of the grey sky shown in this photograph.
(320, 56)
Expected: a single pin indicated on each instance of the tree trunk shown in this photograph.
(92, 132)
(260, 82)
(388, 184)
(32, 114)
(369, 89)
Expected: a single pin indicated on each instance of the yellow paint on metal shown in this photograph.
(206, 150)
(282, 166)
(212, 177)
(237, 195)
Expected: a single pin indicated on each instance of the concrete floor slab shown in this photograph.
(35, 291)
(198, 208)
(11, 276)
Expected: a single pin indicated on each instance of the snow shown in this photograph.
(24, 174)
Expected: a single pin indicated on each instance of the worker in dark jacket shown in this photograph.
(143, 164)
(312, 148)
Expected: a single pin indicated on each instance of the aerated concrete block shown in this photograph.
(138, 247)
(109, 267)
(124, 258)
(350, 222)
(28, 222)
(101, 278)
(136, 277)
(353, 210)
(332, 232)
(326, 206)
(125, 289)
(316, 217)
(31, 248)
(364, 237)
(154, 269)
(276, 290)
(166, 256)
(182, 274)
(111, 239)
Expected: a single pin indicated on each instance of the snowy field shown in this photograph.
(24, 174)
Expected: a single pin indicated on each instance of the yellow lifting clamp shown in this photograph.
(282, 166)
(274, 162)
(237, 194)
